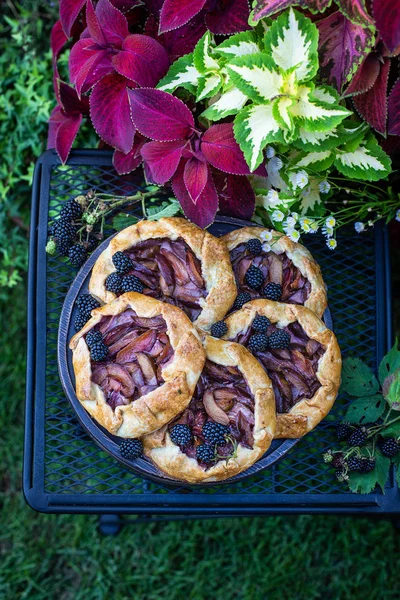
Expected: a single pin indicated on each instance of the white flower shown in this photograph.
(273, 198)
(327, 231)
(275, 163)
(359, 227)
(290, 222)
(370, 223)
(294, 235)
(324, 187)
(330, 221)
(295, 216)
(305, 224)
(266, 236)
(331, 243)
(270, 152)
(301, 179)
(306, 192)
(266, 247)
(398, 215)
(369, 209)
(314, 227)
(278, 216)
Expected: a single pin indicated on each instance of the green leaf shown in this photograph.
(364, 483)
(366, 410)
(318, 161)
(366, 162)
(393, 395)
(326, 93)
(165, 209)
(358, 379)
(122, 220)
(254, 127)
(208, 86)
(182, 73)
(352, 135)
(398, 475)
(392, 430)
(315, 115)
(389, 363)
(229, 103)
(239, 45)
(256, 77)
(292, 42)
(203, 61)
(281, 111)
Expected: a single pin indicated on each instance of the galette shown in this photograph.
(136, 362)
(228, 425)
(300, 355)
(171, 260)
(267, 264)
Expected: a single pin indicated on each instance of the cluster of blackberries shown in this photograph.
(85, 304)
(254, 279)
(214, 434)
(259, 342)
(94, 339)
(131, 449)
(120, 284)
(219, 329)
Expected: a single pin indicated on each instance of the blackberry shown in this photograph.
(341, 475)
(219, 329)
(98, 351)
(181, 435)
(77, 255)
(215, 433)
(131, 449)
(358, 437)
(63, 228)
(389, 447)
(86, 303)
(254, 277)
(122, 262)
(354, 463)
(131, 283)
(93, 336)
(367, 465)
(241, 299)
(279, 339)
(343, 431)
(272, 291)
(254, 246)
(71, 210)
(63, 245)
(205, 453)
(338, 460)
(113, 283)
(92, 243)
(80, 321)
(261, 324)
(258, 342)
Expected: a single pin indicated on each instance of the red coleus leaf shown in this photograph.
(160, 116)
(179, 41)
(266, 8)
(162, 159)
(387, 19)
(112, 22)
(154, 6)
(110, 112)
(203, 212)
(394, 110)
(93, 25)
(222, 151)
(356, 11)
(87, 65)
(228, 16)
(342, 47)
(69, 11)
(125, 163)
(63, 129)
(195, 176)
(70, 101)
(58, 39)
(366, 75)
(176, 13)
(142, 59)
(236, 196)
(372, 105)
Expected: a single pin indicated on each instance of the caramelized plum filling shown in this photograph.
(292, 370)
(276, 268)
(170, 272)
(223, 396)
(138, 348)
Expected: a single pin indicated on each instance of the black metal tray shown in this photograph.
(65, 471)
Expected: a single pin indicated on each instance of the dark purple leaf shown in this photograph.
(222, 151)
(372, 105)
(87, 65)
(387, 18)
(394, 110)
(229, 16)
(203, 212)
(126, 5)
(125, 163)
(62, 131)
(366, 75)
(162, 159)
(391, 145)
(58, 39)
(342, 47)
(179, 41)
(154, 6)
(160, 116)
(110, 112)
(70, 101)
(195, 176)
(69, 11)
(93, 25)
(356, 11)
(142, 59)
(236, 196)
(266, 8)
(176, 13)
(112, 22)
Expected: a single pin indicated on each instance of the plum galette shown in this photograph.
(300, 355)
(171, 260)
(136, 362)
(267, 264)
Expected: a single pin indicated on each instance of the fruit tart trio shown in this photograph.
(199, 351)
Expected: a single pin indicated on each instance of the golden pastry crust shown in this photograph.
(169, 458)
(298, 254)
(151, 411)
(211, 252)
(307, 413)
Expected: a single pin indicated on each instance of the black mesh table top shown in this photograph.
(65, 471)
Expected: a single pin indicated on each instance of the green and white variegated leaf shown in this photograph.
(238, 45)
(326, 93)
(202, 55)
(314, 115)
(182, 73)
(353, 135)
(281, 111)
(317, 161)
(367, 162)
(208, 86)
(310, 197)
(292, 41)
(254, 127)
(256, 77)
(316, 141)
(229, 103)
